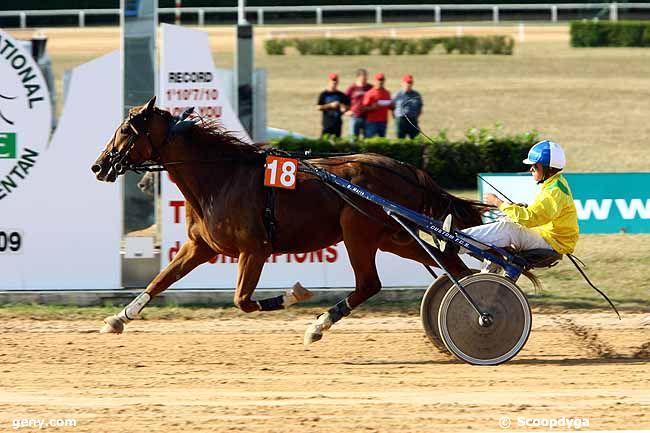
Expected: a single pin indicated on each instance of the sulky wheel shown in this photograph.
(430, 306)
(491, 340)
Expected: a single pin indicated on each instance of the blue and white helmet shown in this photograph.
(546, 152)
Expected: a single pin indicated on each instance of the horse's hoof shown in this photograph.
(311, 336)
(112, 325)
(301, 293)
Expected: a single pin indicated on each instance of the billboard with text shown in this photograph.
(605, 202)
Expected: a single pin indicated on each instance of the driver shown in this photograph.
(549, 222)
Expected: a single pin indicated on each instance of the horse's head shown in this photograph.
(135, 141)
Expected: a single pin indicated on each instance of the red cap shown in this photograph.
(408, 78)
(379, 76)
(333, 76)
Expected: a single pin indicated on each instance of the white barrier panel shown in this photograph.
(69, 224)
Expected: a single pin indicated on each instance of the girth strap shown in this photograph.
(269, 216)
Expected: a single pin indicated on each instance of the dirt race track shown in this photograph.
(376, 373)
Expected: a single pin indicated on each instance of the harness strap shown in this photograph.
(349, 201)
(307, 167)
(269, 216)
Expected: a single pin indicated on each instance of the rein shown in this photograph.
(177, 125)
(180, 124)
(158, 167)
(575, 261)
(305, 167)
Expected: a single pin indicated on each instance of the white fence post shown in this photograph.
(436, 14)
(82, 19)
(319, 16)
(554, 13)
(201, 14)
(522, 33)
(378, 17)
(23, 20)
(495, 14)
(613, 12)
(260, 17)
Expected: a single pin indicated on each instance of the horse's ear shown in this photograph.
(150, 105)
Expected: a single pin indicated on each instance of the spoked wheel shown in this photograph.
(494, 338)
(430, 306)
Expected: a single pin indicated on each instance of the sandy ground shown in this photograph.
(376, 373)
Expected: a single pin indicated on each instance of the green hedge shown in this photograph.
(610, 34)
(387, 46)
(452, 164)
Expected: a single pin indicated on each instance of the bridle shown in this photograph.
(139, 124)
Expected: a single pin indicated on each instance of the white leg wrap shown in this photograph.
(314, 331)
(132, 311)
(324, 322)
(289, 298)
(296, 294)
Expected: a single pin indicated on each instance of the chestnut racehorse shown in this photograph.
(221, 179)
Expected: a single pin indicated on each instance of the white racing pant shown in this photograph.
(505, 234)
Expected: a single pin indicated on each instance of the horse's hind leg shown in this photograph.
(408, 248)
(360, 242)
(191, 254)
(249, 270)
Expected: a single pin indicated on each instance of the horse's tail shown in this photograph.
(537, 284)
(438, 203)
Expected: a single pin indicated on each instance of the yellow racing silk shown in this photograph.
(552, 214)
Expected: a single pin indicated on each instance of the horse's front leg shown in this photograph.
(248, 275)
(192, 254)
(361, 242)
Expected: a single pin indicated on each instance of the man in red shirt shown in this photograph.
(376, 103)
(356, 92)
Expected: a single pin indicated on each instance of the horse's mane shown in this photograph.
(213, 140)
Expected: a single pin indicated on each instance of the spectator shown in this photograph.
(407, 103)
(333, 103)
(377, 103)
(356, 92)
